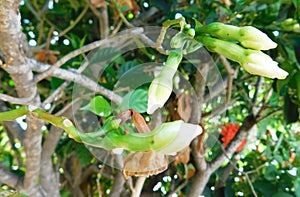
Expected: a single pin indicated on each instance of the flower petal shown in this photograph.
(186, 134)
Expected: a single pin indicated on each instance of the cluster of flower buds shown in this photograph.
(217, 37)
(290, 25)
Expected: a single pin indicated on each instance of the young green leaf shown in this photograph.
(136, 100)
(99, 106)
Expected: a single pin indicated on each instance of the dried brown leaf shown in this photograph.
(139, 122)
(182, 157)
(144, 164)
(184, 107)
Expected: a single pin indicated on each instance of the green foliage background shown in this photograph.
(272, 161)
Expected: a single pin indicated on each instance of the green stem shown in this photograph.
(219, 30)
(171, 65)
(166, 25)
(230, 50)
(153, 140)
(14, 114)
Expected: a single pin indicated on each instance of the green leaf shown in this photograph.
(136, 100)
(264, 187)
(282, 194)
(83, 155)
(270, 173)
(56, 82)
(99, 106)
(104, 54)
(127, 66)
(279, 158)
(65, 193)
(297, 187)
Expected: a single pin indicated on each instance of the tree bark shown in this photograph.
(12, 46)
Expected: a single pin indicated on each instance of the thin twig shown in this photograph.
(77, 78)
(216, 89)
(219, 109)
(251, 186)
(32, 10)
(137, 190)
(128, 24)
(152, 44)
(75, 21)
(257, 89)
(182, 185)
(131, 33)
(14, 100)
(230, 72)
(54, 95)
(260, 118)
(63, 110)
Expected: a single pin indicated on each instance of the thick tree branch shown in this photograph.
(200, 178)
(137, 190)
(248, 123)
(48, 176)
(12, 46)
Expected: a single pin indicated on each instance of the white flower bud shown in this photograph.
(258, 63)
(254, 62)
(159, 92)
(249, 37)
(252, 38)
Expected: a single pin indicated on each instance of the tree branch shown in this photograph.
(48, 176)
(15, 129)
(248, 123)
(230, 77)
(14, 100)
(137, 190)
(9, 178)
(122, 37)
(77, 78)
(75, 22)
(119, 180)
(12, 46)
(216, 89)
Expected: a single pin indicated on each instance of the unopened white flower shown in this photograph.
(252, 38)
(168, 138)
(253, 61)
(159, 92)
(180, 135)
(258, 63)
(249, 37)
(186, 134)
(162, 85)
